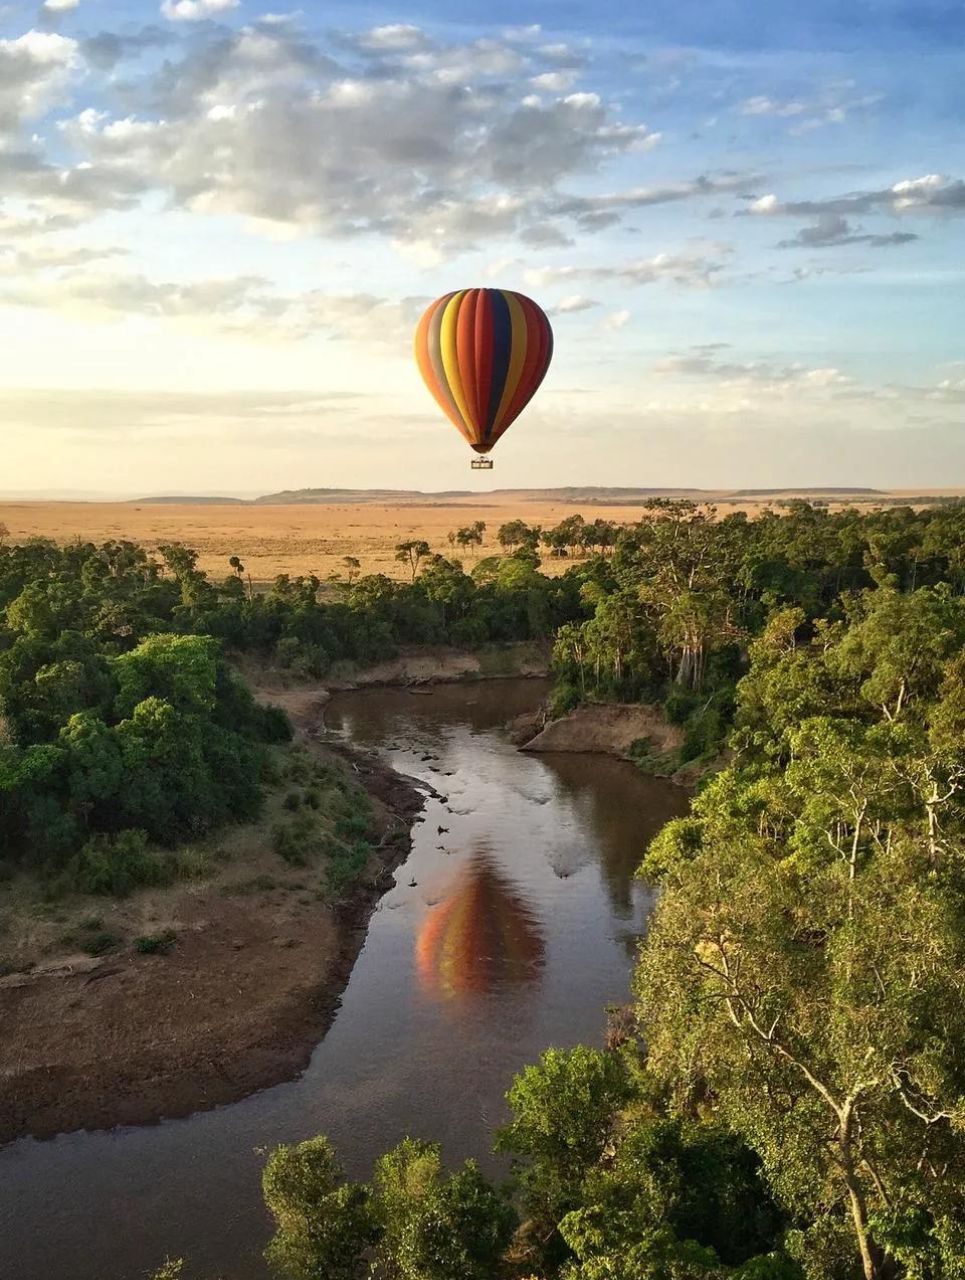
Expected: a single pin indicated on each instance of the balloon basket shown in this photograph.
(482, 464)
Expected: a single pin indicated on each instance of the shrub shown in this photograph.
(564, 698)
(151, 944)
(101, 943)
(114, 865)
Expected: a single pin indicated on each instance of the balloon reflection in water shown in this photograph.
(482, 936)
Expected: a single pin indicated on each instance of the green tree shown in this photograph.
(323, 1225)
(435, 1227)
(412, 553)
(819, 1000)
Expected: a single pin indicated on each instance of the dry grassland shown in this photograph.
(306, 539)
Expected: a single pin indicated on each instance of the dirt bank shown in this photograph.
(611, 728)
(415, 666)
(257, 968)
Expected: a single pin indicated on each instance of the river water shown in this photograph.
(512, 924)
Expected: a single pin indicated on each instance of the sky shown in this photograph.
(220, 223)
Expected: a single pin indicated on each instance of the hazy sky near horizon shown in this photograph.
(220, 222)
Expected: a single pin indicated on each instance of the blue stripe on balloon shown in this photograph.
(502, 350)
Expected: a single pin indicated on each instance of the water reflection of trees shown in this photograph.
(482, 936)
(622, 810)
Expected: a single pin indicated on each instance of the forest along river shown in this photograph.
(508, 931)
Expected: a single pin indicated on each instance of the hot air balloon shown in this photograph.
(482, 936)
(482, 354)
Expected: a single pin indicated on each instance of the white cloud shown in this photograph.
(703, 363)
(60, 6)
(575, 302)
(766, 205)
(431, 150)
(694, 269)
(35, 71)
(831, 106)
(616, 320)
(195, 10)
(394, 38)
(555, 81)
(763, 106)
(931, 193)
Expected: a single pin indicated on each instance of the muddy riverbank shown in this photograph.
(240, 1000)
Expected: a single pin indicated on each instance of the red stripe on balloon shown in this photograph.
(484, 357)
(466, 356)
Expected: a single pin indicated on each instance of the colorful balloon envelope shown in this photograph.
(481, 937)
(483, 354)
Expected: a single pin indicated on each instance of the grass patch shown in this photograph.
(325, 819)
(102, 943)
(155, 944)
(91, 937)
(648, 759)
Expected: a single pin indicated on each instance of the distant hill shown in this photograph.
(829, 488)
(301, 496)
(589, 495)
(193, 500)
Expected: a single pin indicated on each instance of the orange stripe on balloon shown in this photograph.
(450, 360)
(439, 386)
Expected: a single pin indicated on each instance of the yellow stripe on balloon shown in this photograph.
(450, 360)
(517, 356)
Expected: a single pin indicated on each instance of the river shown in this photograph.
(512, 924)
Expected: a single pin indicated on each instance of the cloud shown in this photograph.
(616, 319)
(428, 145)
(394, 38)
(833, 229)
(932, 193)
(702, 363)
(575, 302)
(35, 71)
(555, 81)
(63, 279)
(60, 6)
(107, 48)
(764, 106)
(693, 269)
(195, 10)
(811, 112)
(607, 208)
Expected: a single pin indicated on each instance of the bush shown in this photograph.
(298, 840)
(347, 864)
(114, 865)
(564, 698)
(101, 943)
(152, 944)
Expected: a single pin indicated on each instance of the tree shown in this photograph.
(470, 536)
(517, 533)
(412, 553)
(435, 1227)
(563, 1114)
(802, 972)
(239, 572)
(322, 1223)
(353, 567)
